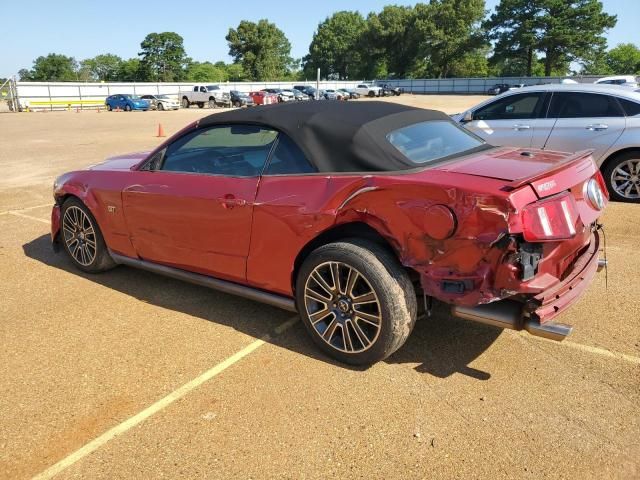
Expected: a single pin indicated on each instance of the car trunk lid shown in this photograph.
(547, 172)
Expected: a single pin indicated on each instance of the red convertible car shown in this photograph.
(350, 214)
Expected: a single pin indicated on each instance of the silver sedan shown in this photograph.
(570, 118)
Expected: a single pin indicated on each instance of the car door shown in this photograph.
(191, 205)
(585, 121)
(287, 193)
(509, 120)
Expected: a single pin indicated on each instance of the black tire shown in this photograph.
(212, 103)
(200, 104)
(395, 303)
(372, 94)
(160, 106)
(101, 261)
(127, 108)
(623, 160)
(109, 107)
(185, 102)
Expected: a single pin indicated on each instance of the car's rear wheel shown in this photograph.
(185, 103)
(372, 94)
(82, 238)
(160, 106)
(622, 175)
(200, 104)
(356, 301)
(127, 108)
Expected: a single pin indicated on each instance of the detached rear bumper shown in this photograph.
(546, 305)
(536, 313)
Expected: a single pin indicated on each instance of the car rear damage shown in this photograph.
(546, 258)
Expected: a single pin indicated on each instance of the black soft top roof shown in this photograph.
(337, 136)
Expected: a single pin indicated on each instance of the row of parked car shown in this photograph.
(217, 96)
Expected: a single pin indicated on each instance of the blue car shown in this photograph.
(126, 102)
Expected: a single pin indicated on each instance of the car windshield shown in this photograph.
(132, 97)
(163, 97)
(213, 87)
(427, 142)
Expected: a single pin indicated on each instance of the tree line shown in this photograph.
(439, 39)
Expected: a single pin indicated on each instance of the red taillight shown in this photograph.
(603, 186)
(555, 218)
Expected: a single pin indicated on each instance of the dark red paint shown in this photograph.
(454, 221)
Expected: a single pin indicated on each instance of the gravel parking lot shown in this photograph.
(132, 375)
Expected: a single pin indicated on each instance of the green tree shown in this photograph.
(335, 46)
(562, 30)
(392, 39)
(449, 30)
(624, 59)
(163, 57)
(52, 68)
(262, 49)
(24, 74)
(131, 71)
(513, 28)
(105, 67)
(235, 72)
(206, 72)
(570, 29)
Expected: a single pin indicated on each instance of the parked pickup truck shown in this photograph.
(391, 90)
(367, 90)
(201, 95)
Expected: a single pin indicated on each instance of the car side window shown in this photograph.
(583, 105)
(288, 159)
(233, 150)
(512, 107)
(631, 109)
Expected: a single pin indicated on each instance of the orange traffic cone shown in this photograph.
(77, 110)
(160, 131)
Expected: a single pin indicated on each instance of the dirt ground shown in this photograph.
(131, 375)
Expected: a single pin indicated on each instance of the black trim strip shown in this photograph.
(224, 286)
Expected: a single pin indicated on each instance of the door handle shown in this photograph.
(229, 201)
(597, 127)
(519, 127)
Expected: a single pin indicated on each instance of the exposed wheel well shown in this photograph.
(616, 154)
(340, 232)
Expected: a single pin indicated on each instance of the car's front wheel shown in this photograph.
(622, 175)
(127, 108)
(185, 103)
(160, 106)
(82, 238)
(109, 107)
(356, 301)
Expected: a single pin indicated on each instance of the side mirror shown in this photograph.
(155, 162)
(468, 117)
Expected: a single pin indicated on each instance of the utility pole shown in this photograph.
(318, 84)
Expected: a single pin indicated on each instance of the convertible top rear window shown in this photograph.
(426, 142)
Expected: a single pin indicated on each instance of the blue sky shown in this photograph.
(84, 29)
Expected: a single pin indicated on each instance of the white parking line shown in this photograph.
(586, 348)
(98, 442)
(18, 214)
(33, 207)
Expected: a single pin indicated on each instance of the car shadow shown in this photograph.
(440, 345)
